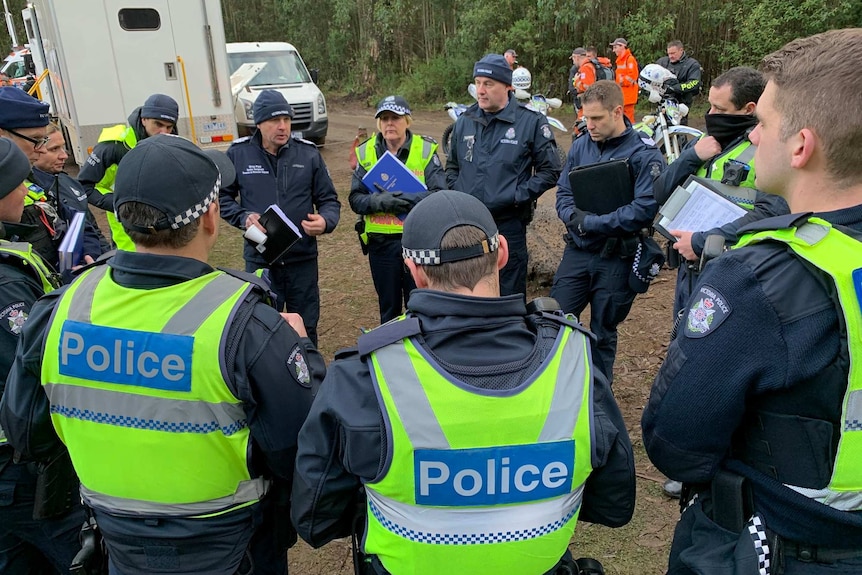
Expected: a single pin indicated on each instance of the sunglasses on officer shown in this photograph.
(38, 143)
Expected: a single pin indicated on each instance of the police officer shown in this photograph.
(48, 173)
(487, 399)
(600, 248)
(158, 115)
(725, 155)
(505, 155)
(756, 407)
(687, 71)
(27, 545)
(156, 366)
(274, 168)
(383, 212)
(24, 120)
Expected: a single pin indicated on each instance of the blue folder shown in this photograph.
(390, 175)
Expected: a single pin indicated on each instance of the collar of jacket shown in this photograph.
(257, 139)
(507, 114)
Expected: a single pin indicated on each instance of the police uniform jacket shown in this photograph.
(275, 399)
(646, 163)
(343, 442)
(688, 72)
(105, 155)
(507, 159)
(687, 164)
(715, 383)
(296, 179)
(435, 179)
(19, 290)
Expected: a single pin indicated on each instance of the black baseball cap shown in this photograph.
(172, 175)
(395, 104)
(428, 222)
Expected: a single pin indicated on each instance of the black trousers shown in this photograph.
(392, 279)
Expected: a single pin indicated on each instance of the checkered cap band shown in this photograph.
(390, 107)
(198, 209)
(436, 257)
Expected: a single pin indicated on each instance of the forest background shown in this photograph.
(425, 49)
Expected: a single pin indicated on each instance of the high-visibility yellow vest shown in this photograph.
(139, 397)
(126, 135)
(481, 481)
(421, 153)
(742, 152)
(840, 256)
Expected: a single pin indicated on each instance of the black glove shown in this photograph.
(389, 203)
(576, 222)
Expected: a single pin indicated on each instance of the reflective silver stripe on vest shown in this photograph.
(565, 405)
(427, 148)
(840, 500)
(82, 299)
(470, 526)
(144, 412)
(853, 417)
(811, 233)
(247, 492)
(189, 318)
(746, 155)
(412, 403)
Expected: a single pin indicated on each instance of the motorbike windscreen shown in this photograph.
(282, 67)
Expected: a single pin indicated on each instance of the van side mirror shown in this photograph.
(314, 74)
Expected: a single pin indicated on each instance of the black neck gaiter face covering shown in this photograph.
(728, 127)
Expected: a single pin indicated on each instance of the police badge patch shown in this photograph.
(710, 309)
(436, 160)
(655, 169)
(298, 367)
(14, 317)
(510, 133)
(546, 131)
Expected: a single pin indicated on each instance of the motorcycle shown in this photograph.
(522, 81)
(665, 125)
(454, 109)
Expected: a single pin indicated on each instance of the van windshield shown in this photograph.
(282, 67)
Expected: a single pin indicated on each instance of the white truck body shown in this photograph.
(284, 71)
(106, 57)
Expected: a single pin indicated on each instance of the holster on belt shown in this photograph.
(620, 247)
(56, 487)
(732, 504)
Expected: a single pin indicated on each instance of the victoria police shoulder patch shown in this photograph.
(14, 316)
(298, 367)
(708, 310)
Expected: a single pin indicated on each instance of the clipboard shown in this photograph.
(602, 188)
(698, 206)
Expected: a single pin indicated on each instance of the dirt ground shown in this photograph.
(349, 304)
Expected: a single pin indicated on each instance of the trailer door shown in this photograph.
(142, 40)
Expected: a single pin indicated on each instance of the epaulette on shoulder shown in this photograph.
(529, 106)
(568, 321)
(429, 139)
(647, 140)
(346, 352)
(304, 141)
(388, 333)
(242, 140)
(775, 223)
(258, 284)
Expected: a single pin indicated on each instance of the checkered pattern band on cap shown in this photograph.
(400, 110)
(198, 209)
(424, 257)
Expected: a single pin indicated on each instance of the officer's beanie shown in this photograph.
(428, 222)
(270, 104)
(172, 175)
(493, 66)
(14, 166)
(18, 109)
(161, 107)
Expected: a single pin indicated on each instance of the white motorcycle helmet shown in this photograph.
(522, 79)
(652, 80)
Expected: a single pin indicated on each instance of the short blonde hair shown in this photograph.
(407, 117)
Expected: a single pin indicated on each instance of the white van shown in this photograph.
(286, 72)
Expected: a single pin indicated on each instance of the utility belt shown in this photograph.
(623, 247)
(730, 505)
